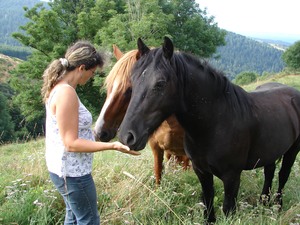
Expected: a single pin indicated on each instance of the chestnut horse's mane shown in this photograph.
(121, 71)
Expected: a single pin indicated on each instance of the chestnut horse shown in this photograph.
(168, 138)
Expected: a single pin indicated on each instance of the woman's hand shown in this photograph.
(123, 148)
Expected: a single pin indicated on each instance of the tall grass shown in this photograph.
(127, 193)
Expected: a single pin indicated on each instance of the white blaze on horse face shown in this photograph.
(100, 121)
(143, 73)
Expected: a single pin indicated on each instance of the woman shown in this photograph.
(69, 138)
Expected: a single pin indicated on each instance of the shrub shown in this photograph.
(245, 78)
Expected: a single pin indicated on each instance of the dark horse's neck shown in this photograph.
(206, 91)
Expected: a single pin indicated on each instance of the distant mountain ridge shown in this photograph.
(281, 45)
(246, 54)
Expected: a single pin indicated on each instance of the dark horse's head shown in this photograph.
(155, 95)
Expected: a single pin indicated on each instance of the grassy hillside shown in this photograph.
(127, 194)
(292, 80)
(6, 65)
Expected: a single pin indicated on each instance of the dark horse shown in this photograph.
(227, 129)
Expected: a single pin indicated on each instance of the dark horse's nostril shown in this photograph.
(130, 140)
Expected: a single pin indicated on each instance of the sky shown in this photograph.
(275, 19)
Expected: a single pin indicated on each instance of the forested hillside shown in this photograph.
(12, 16)
(245, 54)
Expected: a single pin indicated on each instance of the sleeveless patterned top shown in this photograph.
(60, 161)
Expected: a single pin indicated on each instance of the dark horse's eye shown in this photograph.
(159, 86)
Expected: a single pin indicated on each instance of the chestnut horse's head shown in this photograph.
(118, 87)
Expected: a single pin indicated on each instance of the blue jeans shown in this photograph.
(79, 194)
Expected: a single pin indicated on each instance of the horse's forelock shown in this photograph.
(121, 71)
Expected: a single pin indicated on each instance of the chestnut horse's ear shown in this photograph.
(168, 48)
(117, 52)
(143, 49)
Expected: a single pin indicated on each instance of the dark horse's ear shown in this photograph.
(143, 49)
(168, 48)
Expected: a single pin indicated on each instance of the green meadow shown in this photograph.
(127, 193)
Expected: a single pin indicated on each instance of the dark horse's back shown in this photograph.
(269, 85)
(276, 108)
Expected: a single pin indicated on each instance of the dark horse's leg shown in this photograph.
(269, 171)
(231, 183)
(207, 183)
(284, 173)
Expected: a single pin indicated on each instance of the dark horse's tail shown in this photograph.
(296, 105)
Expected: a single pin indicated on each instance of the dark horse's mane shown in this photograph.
(236, 97)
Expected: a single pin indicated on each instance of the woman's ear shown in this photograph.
(81, 68)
